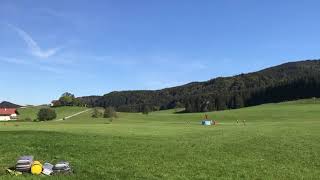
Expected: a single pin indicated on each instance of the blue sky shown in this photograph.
(94, 47)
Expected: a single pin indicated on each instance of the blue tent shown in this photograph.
(207, 122)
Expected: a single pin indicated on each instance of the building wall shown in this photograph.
(5, 118)
(13, 116)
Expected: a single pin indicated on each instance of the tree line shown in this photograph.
(68, 99)
(285, 82)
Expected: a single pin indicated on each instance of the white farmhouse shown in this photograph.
(7, 114)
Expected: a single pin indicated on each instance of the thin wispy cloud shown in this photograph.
(33, 46)
(13, 60)
(31, 64)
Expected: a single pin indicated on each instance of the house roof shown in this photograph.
(7, 111)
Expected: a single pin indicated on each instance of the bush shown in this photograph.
(97, 113)
(145, 110)
(46, 114)
(110, 112)
(27, 119)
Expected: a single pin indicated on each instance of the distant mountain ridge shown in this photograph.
(6, 104)
(289, 81)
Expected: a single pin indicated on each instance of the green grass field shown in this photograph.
(279, 141)
(61, 112)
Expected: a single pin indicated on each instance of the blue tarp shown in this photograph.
(207, 122)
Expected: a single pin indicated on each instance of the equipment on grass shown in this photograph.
(24, 163)
(47, 169)
(13, 172)
(207, 121)
(36, 168)
(62, 167)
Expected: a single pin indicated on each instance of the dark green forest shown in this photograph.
(6, 104)
(289, 81)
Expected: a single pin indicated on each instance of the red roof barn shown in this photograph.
(7, 114)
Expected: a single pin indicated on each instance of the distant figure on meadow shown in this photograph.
(244, 122)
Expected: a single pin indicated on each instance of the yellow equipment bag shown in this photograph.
(36, 168)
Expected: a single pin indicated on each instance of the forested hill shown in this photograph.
(288, 81)
(6, 104)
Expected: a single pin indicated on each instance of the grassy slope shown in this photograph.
(280, 141)
(62, 112)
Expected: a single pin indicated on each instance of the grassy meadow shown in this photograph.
(279, 141)
(31, 112)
